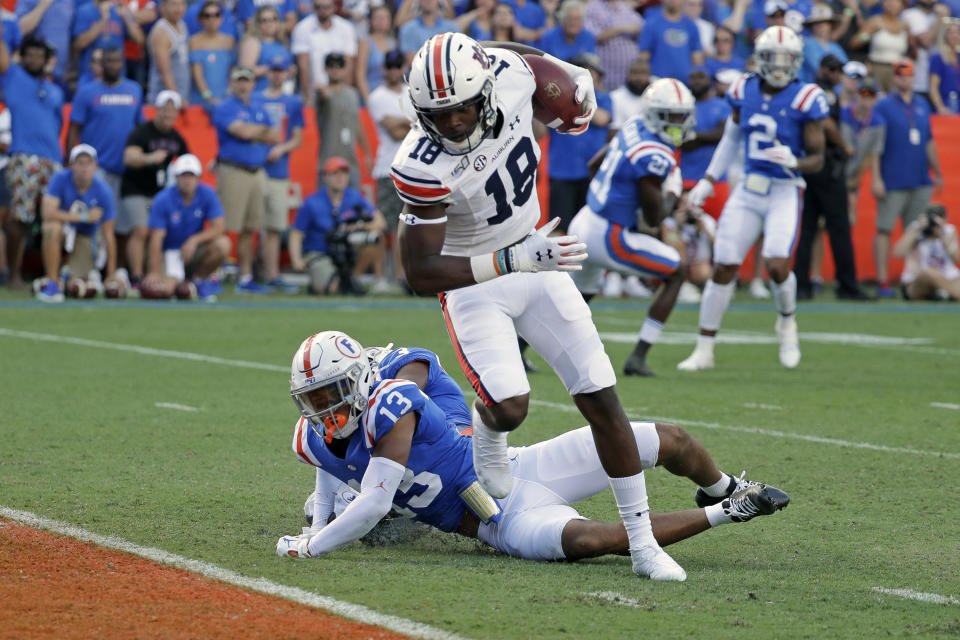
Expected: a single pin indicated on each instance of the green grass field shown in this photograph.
(865, 436)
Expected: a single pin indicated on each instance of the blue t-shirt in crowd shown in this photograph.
(232, 149)
(714, 66)
(568, 155)
(181, 220)
(11, 34)
(247, 8)
(554, 43)
(98, 194)
(287, 111)
(710, 113)
(670, 43)
(317, 216)
(531, 15)
(111, 36)
(949, 82)
(107, 114)
(36, 113)
(228, 23)
(903, 164)
(216, 64)
(53, 28)
(271, 52)
(813, 53)
(414, 33)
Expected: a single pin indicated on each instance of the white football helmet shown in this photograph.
(779, 55)
(667, 109)
(330, 371)
(448, 73)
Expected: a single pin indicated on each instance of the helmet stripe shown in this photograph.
(676, 86)
(307, 368)
(448, 66)
(438, 66)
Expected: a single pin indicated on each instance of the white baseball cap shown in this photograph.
(187, 163)
(80, 150)
(166, 96)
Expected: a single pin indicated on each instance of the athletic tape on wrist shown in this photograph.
(491, 265)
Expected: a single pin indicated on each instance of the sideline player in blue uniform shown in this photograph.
(636, 171)
(779, 120)
(387, 438)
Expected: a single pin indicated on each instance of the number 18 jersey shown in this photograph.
(491, 192)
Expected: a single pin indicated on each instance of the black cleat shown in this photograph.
(705, 500)
(755, 500)
(637, 366)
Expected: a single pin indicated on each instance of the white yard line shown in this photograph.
(759, 405)
(346, 609)
(910, 594)
(945, 405)
(570, 408)
(173, 405)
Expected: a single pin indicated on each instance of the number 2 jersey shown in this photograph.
(490, 193)
(766, 119)
(440, 465)
(634, 153)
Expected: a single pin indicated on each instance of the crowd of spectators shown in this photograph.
(255, 65)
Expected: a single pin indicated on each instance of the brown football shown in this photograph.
(555, 99)
(151, 289)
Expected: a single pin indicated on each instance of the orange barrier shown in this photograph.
(194, 125)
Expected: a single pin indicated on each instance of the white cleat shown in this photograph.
(786, 328)
(688, 294)
(699, 360)
(653, 562)
(758, 290)
(490, 460)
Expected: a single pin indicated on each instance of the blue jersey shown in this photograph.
(441, 388)
(633, 154)
(180, 220)
(36, 111)
(439, 467)
(98, 194)
(780, 118)
(106, 115)
(233, 149)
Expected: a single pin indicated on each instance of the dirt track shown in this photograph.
(57, 587)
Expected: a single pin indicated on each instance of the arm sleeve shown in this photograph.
(323, 499)
(377, 489)
(726, 152)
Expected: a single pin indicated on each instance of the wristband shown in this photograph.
(491, 265)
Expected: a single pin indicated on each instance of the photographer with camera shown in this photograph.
(336, 234)
(929, 246)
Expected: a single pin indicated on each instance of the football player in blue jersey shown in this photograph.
(396, 448)
(638, 168)
(779, 121)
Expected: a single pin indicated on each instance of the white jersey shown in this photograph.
(491, 192)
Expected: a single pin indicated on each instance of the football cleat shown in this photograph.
(754, 500)
(637, 366)
(699, 360)
(652, 562)
(786, 328)
(758, 290)
(490, 460)
(703, 499)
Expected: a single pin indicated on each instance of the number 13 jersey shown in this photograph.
(490, 193)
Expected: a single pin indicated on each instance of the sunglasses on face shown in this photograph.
(211, 15)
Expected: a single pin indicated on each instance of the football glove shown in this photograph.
(586, 95)
(782, 155)
(540, 251)
(294, 546)
(700, 192)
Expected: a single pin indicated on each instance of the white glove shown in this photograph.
(585, 93)
(700, 192)
(540, 251)
(294, 546)
(782, 155)
(673, 183)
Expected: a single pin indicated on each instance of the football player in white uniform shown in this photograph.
(779, 122)
(467, 175)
